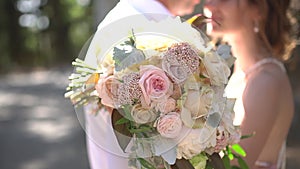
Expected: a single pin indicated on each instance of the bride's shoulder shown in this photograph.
(269, 76)
(264, 86)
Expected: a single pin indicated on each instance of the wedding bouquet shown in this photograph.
(163, 83)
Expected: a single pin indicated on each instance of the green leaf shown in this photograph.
(242, 163)
(208, 166)
(235, 167)
(238, 149)
(126, 111)
(229, 153)
(199, 160)
(248, 136)
(122, 121)
(226, 162)
(216, 161)
(146, 164)
(131, 40)
(141, 129)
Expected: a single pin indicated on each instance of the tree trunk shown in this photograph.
(15, 39)
(59, 28)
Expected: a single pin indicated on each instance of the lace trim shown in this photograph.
(265, 61)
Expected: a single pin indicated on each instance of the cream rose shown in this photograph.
(195, 142)
(199, 102)
(155, 84)
(141, 115)
(217, 69)
(169, 125)
(107, 90)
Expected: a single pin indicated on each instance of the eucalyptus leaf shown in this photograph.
(125, 58)
(126, 54)
(214, 119)
(224, 51)
(170, 156)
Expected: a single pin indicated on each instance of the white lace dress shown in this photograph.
(235, 88)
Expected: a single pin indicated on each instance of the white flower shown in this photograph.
(142, 115)
(199, 102)
(217, 69)
(196, 142)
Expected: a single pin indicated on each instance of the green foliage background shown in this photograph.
(70, 26)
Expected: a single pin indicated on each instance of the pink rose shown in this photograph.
(107, 90)
(167, 105)
(154, 83)
(169, 125)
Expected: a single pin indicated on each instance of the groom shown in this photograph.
(99, 157)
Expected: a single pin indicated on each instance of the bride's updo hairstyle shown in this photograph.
(274, 26)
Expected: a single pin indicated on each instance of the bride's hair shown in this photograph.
(275, 26)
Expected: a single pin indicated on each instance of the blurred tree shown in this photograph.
(11, 38)
(59, 29)
(41, 32)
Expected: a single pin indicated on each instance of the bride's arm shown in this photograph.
(261, 104)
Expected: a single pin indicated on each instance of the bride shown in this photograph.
(258, 31)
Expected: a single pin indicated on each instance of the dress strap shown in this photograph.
(265, 165)
(265, 61)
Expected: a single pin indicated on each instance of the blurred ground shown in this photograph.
(39, 128)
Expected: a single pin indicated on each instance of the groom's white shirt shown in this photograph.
(103, 150)
(132, 7)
